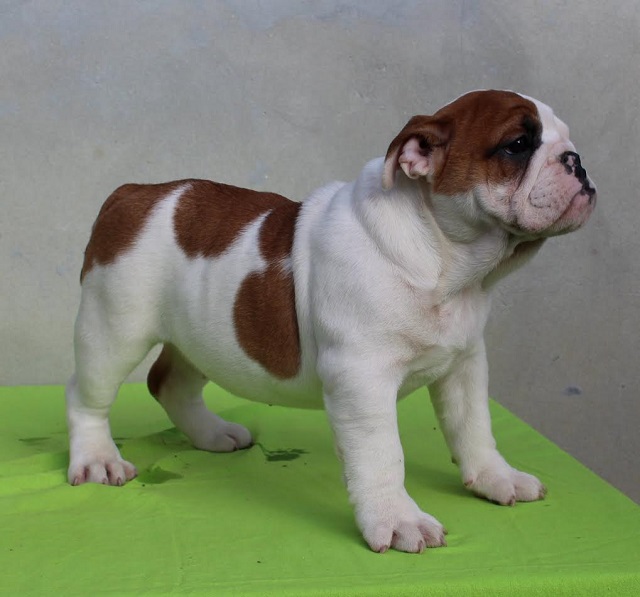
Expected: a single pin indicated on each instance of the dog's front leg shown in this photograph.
(461, 402)
(362, 410)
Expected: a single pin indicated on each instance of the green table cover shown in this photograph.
(275, 520)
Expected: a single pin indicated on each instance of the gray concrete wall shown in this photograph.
(286, 95)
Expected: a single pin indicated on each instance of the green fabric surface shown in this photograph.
(275, 520)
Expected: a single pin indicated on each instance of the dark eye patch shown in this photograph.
(520, 145)
(516, 146)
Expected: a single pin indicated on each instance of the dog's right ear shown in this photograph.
(419, 149)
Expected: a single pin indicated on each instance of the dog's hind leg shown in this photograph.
(106, 351)
(177, 385)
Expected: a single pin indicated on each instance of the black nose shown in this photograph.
(571, 162)
(589, 192)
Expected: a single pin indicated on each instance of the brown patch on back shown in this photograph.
(210, 215)
(276, 234)
(208, 219)
(120, 221)
(466, 132)
(264, 312)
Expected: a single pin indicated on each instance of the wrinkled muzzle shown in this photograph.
(562, 198)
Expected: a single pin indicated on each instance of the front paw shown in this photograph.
(505, 485)
(107, 471)
(98, 462)
(397, 522)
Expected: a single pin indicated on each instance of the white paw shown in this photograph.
(224, 437)
(505, 485)
(108, 469)
(397, 522)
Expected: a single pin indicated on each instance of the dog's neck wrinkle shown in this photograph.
(468, 264)
(430, 243)
(399, 225)
(519, 252)
(471, 247)
(480, 251)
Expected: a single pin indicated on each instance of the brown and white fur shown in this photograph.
(350, 300)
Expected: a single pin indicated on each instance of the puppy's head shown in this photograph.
(504, 157)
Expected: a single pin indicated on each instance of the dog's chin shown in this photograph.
(575, 215)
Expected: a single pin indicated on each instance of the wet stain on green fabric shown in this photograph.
(281, 455)
(157, 475)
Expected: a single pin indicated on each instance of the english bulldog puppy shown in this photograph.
(349, 300)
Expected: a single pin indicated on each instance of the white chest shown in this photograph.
(441, 335)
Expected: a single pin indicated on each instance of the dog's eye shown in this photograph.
(520, 145)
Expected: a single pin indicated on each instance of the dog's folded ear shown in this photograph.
(419, 149)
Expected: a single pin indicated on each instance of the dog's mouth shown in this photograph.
(590, 192)
(576, 213)
(573, 217)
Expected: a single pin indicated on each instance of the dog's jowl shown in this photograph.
(349, 300)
